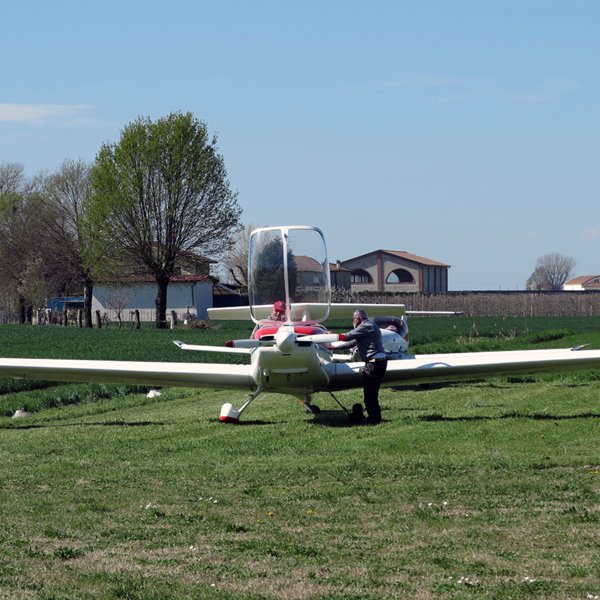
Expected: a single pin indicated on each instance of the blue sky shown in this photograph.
(466, 132)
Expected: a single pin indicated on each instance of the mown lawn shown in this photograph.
(480, 490)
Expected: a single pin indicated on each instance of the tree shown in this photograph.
(22, 264)
(235, 262)
(159, 194)
(12, 178)
(68, 192)
(38, 245)
(550, 273)
(268, 274)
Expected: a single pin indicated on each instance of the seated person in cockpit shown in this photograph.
(278, 313)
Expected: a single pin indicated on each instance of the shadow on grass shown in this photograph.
(333, 418)
(242, 422)
(508, 383)
(511, 415)
(95, 424)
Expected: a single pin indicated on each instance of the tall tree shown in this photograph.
(551, 271)
(68, 192)
(158, 194)
(22, 264)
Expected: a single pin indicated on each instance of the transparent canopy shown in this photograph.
(289, 264)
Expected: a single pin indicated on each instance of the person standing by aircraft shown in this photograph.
(367, 337)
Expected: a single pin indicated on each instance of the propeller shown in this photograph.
(284, 339)
(198, 348)
(322, 338)
(249, 343)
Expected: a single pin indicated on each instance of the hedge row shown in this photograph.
(488, 304)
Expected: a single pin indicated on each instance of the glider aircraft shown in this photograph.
(290, 351)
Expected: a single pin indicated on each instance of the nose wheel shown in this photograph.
(308, 407)
(230, 414)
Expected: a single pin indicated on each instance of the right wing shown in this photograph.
(468, 365)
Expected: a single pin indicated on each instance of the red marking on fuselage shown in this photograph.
(300, 329)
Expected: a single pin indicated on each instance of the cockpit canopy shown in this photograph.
(289, 264)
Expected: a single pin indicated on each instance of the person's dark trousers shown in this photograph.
(372, 375)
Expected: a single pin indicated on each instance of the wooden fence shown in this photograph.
(473, 304)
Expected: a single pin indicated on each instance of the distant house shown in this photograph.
(138, 292)
(341, 277)
(396, 271)
(582, 283)
(309, 271)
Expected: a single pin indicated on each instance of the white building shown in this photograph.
(582, 283)
(193, 293)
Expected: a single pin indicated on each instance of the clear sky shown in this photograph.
(465, 132)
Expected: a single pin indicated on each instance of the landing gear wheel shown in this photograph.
(314, 409)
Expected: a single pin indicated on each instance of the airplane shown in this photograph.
(290, 351)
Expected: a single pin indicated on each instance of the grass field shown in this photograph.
(479, 490)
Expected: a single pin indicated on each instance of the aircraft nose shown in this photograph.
(285, 340)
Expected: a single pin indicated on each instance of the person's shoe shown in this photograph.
(357, 416)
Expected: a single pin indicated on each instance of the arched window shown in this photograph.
(400, 276)
(361, 276)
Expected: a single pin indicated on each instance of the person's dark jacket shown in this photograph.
(367, 337)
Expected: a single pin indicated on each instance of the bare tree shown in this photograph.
(235, 262)
(23, 275)
(117, 300)
(551, 271)
(12, 178)
(68, 192)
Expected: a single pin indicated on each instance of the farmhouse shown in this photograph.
(341, 277)
(310, 274)
(396, 271)
(582, 283)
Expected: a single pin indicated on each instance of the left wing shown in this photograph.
(144, 373)
(467, 365)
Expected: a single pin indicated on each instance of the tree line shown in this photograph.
(159, 195)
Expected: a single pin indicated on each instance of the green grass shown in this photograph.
(481, 490)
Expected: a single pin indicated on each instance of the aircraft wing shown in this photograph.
(301, 309)
(468, 365)
(143, 373)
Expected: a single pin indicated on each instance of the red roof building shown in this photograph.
(582, 283)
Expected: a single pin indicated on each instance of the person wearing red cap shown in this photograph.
(278, 313)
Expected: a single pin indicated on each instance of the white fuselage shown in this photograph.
(299, 372)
